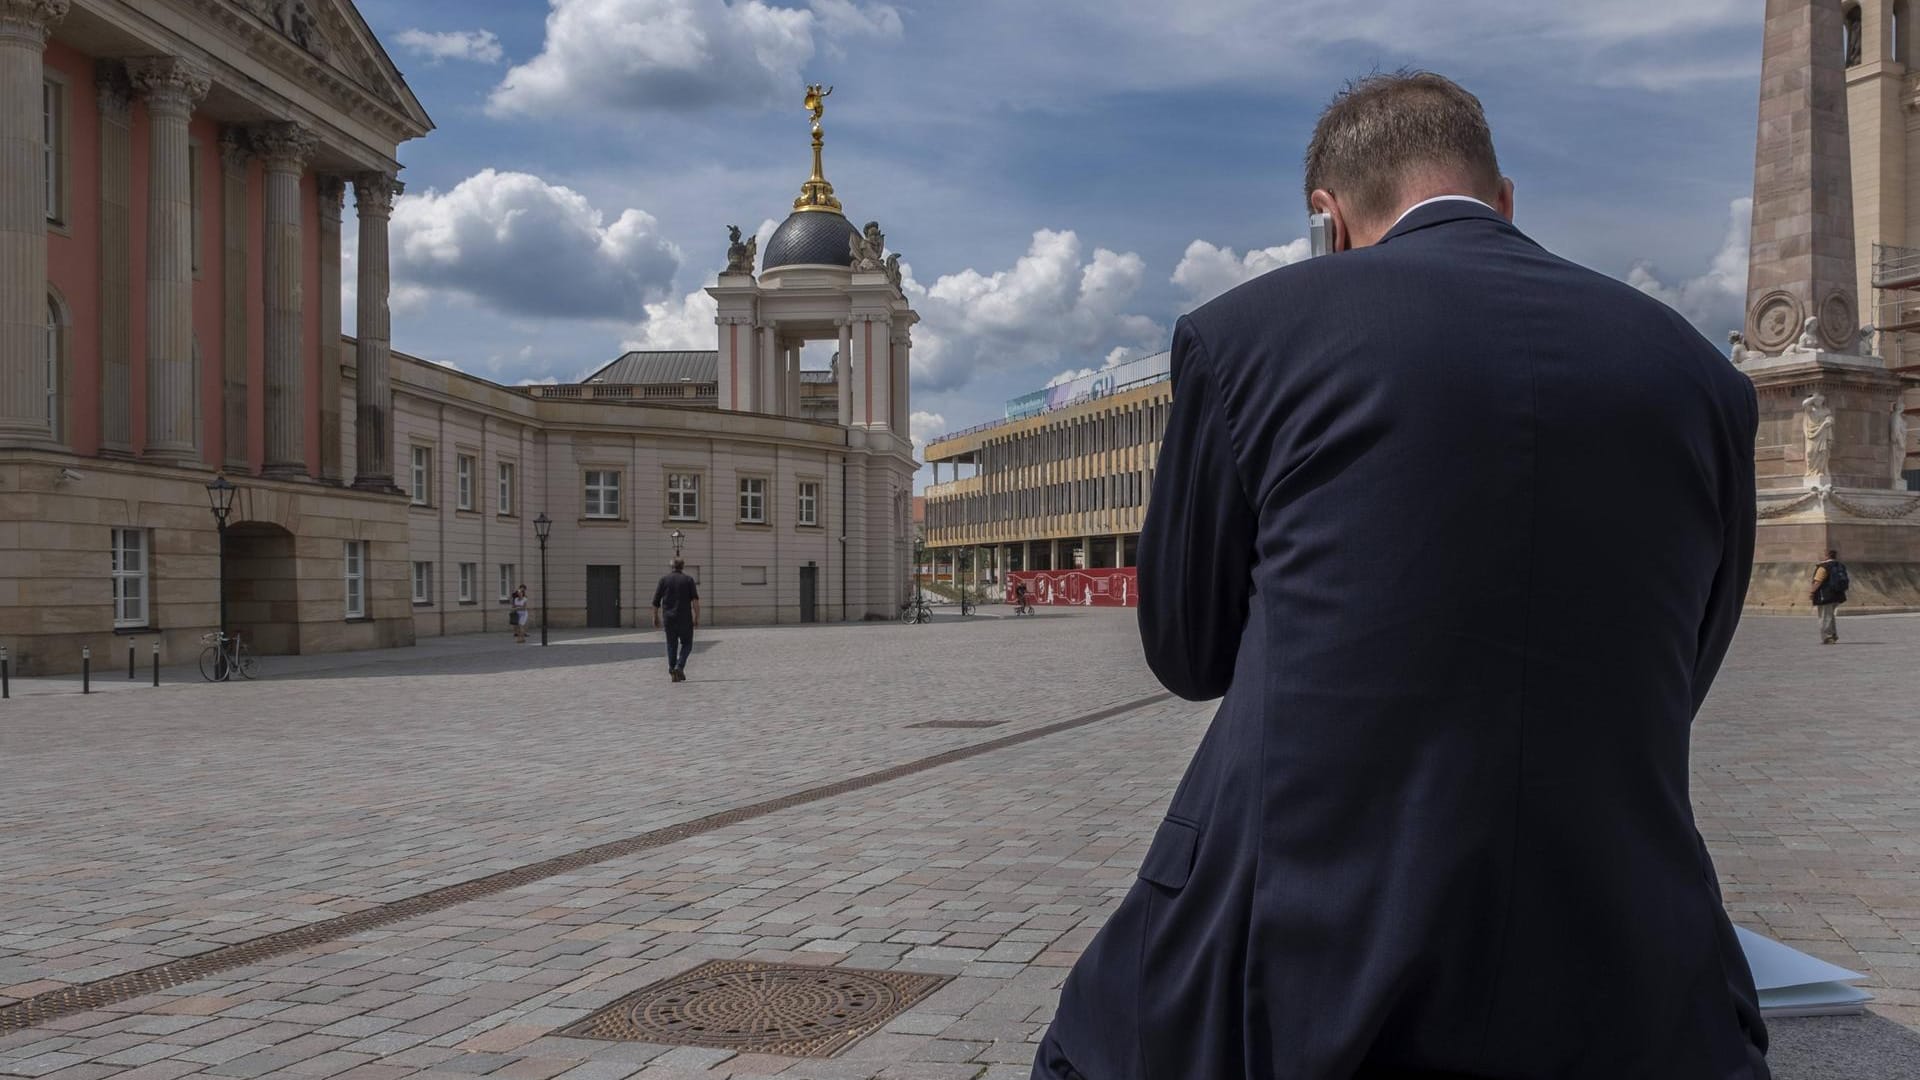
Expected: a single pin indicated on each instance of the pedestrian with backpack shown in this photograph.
(1830, 583)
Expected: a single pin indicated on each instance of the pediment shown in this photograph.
(330, 40)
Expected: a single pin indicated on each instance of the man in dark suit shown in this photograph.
(1461, 531)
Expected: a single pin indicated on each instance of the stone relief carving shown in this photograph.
(1738, 340)
(1816, 423)
(866, 247)
(1897, 443)
(1809, 335)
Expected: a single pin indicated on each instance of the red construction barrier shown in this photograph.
(1103, 587)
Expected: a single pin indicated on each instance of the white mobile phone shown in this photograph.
(1320, 234)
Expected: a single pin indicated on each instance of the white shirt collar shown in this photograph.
(1430, 202)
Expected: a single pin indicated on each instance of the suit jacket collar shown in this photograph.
(1442, 213)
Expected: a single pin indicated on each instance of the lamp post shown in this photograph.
(220, 499)
(919, 559)
(542, 526)
(679, 540)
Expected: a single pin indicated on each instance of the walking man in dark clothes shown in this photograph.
(677, 600)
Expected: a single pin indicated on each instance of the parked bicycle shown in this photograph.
(966, 602)
(916, 610)
(224, 656)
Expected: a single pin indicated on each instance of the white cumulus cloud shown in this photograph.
(925, 427)
(514, 242)
(1206, 271)
(480, 46)
(1715, 301)
(1053, 301)
(670, 54)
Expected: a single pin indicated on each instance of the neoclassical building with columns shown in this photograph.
(172, 179)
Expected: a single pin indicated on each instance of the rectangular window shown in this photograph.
(809, 502)
(603, 493)
(683, 497)
(52, 145)
(422, 474)
(463, 481)
(506, 581)
(469, 582)
(129, 577)
(423, 583)
(753, 500)
(506, 489)
(753, 575)
(356, 579)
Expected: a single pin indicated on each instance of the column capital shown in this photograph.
(172, 85)
(284, 145)
(235, 149)
(113, 89)
(374, 192)
(333, 192)
(30, 19)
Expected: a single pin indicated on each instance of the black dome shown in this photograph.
(810, 236)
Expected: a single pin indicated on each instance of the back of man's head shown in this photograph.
(679, 565)
(1390, 137)
(1832, 553)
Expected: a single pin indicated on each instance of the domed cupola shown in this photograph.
(817, 233)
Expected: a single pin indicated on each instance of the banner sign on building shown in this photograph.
(1096, 385)
(1101, 587)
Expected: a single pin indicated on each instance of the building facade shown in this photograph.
(1062, 488)
(172, 177)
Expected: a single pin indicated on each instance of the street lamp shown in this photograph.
(220, 500)
(919, 561)
(679, 540)
(543, 525)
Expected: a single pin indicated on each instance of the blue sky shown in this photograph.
(1062, 177)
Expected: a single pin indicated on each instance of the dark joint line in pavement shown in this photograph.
(82, 997)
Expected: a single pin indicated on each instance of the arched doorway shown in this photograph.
(262, 590)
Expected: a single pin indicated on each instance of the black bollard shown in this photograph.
(6, 691)
(156, 663)
(130, 675)
(86, 669)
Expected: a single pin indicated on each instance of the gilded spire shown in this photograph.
(816, 193)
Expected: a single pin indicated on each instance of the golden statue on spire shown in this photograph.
(816, 193)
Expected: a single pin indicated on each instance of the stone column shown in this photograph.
(373, 195)
(285, 149)
(765, 368)
(171, 87)
(234, 155)
(332, 190)
(844, 369)
(793, 382)
(115, 96)
(24, 25)
(736, 361)
(902, 373)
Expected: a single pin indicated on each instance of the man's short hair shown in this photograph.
(1383, 130)
(1833, 553)
(679, 564)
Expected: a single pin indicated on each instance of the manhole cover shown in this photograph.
(957, 724)
(784, 1009)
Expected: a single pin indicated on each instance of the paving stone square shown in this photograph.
(142, 827)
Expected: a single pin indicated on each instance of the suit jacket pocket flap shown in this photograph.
(1170, 859)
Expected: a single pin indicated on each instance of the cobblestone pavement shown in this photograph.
(138, 827)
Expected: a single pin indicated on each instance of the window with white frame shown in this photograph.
(356, 572)
(506, 489)
(423, 583)
(463, 481)
(53, 105)
(683, 496)
(603, 493)
(809, 502)
(422, 474)
(469, 582)
(506, 581)
(753, 500)
(129, 577)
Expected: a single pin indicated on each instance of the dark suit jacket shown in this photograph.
(1461, 530)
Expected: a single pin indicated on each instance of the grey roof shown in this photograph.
(810, 236)
(640, 368)
(652, 368)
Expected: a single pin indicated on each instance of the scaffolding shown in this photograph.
(1896, 304)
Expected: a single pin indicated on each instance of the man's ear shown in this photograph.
(1503, 201)
(1325, 202)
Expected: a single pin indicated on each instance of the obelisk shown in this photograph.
(1823, 456)
(1802, 261)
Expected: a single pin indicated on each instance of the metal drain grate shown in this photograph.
(786, 1009)
(81, 997)
(966, 724)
